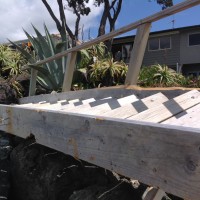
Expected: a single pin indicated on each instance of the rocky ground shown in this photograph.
(5, 149)
(29, 171)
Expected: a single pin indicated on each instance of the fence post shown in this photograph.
(71, 61)
(153, 194)
(32, 86)
(137, 53)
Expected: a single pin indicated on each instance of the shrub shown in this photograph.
(159, 76)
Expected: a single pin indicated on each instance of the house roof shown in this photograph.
(130, 38)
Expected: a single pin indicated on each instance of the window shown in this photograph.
(165, 43)
(193, 74)
(126, 52)
(194, 39)
(154, 44)
(159, 43)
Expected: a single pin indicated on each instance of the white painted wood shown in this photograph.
(160, 155)
(136, 107)
(33, 80)
(137, 53)
(71, 63)
(169, 108)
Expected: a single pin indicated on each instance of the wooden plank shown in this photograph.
(101, 106)
(152, 18)
(59, 105)
(189, 118)
(160, 155)
(33, 80)
(153, 194)
(137, 106)
(137, 53)
(169, 108)
(96, 93)
(71, 63)
(115, 92)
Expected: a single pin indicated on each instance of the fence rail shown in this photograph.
(137, 55)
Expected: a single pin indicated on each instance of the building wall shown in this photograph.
(169, 57)
(189, 54)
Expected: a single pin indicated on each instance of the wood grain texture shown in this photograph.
(189, 118)
(69, 71)
(137, 106)
(98, 93)
(137, 53)
(169, 108)
(101, 106)
(153, 194)
(160, 155)
(33, 79)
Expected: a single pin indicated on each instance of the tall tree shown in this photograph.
(110, 14)
(79, 7)
(165, 3)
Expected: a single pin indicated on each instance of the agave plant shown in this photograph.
(50, 75)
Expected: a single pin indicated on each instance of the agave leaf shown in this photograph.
(49, 40)
(50, 75)
(51, 45)
(46, 49)
(45, 72)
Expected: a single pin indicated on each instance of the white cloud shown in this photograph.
(16, 15)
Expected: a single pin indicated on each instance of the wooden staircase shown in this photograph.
(132, 132)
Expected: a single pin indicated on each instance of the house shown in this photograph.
(177, 48)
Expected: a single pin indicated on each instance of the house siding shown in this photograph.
(169, 57)
(189, 54)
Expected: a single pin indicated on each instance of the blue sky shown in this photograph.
(133, 10)
(16, 15)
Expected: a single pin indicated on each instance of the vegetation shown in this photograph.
(11, 62)
(162, 76)
(100, 67)
(50, 75)
(110, 14)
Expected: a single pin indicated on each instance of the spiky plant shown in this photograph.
(50, 75)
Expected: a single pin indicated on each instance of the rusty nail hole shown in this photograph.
(165, 181)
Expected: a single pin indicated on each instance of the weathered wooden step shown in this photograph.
(136, 107)
(101, 106)
(189, 118)
(59, 105)
(169, 108)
